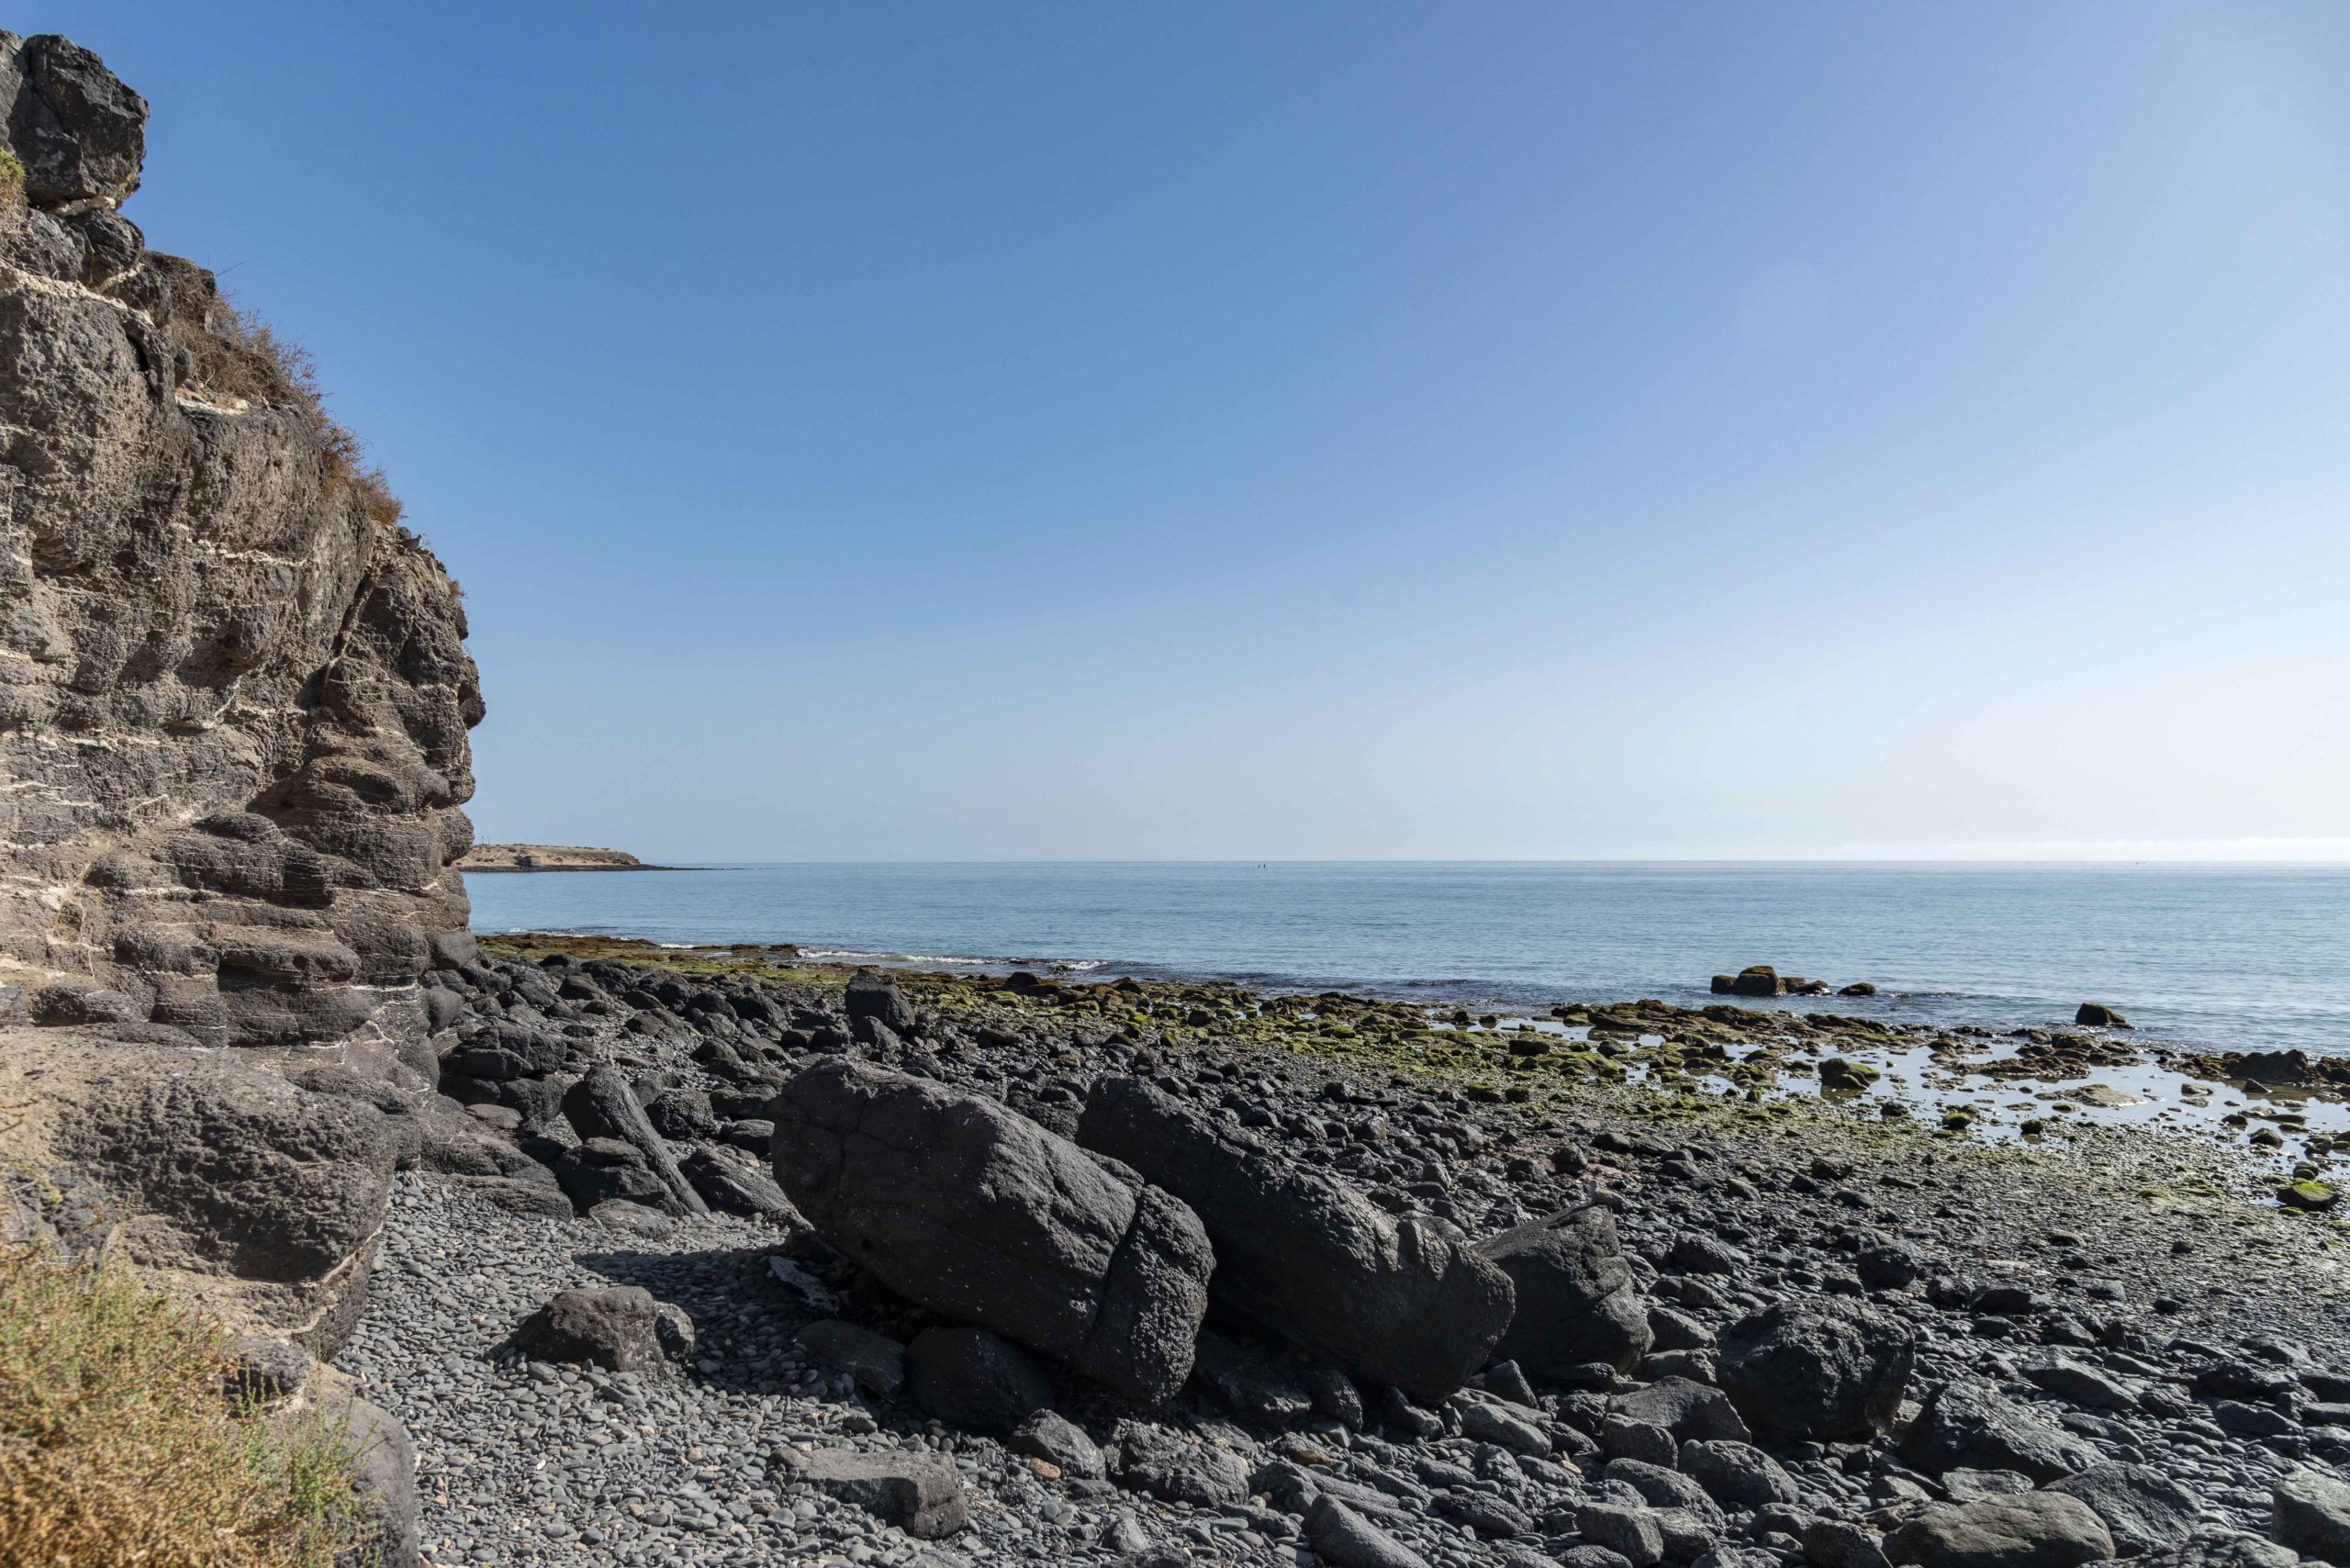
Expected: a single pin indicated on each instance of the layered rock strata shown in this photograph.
(234, 698)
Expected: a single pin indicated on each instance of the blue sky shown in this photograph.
(1331, 430)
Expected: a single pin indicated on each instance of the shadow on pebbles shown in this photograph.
(528, 1462)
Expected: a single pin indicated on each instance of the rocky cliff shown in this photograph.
(234, 698)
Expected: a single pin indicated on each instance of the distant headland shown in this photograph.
(550, 858)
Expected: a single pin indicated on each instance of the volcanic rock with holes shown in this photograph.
(234, 698)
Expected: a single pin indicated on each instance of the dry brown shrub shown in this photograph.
(118, 1446)
(237, 354)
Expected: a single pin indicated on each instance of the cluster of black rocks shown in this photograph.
(1293, 1315)
(1762, 979)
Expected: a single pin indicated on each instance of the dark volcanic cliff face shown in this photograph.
(234, 696)
(233, 691)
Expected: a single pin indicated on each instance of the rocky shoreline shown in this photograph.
(2084, 1360)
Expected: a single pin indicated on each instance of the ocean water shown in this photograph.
(2224, 957)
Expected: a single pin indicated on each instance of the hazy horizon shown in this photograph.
(2283, 857)
(1317, 432)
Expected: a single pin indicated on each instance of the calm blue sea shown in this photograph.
(2227, 957)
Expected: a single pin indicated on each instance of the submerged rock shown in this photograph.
(1840, 1073)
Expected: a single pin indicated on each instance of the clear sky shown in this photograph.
(1329, 428)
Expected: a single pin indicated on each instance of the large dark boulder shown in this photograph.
(272, 1181)
(383, 1483)
(977, 1213)
(1972, 1427)
(876, 1362)
(79, 133)
(2310, 1513)
(1738, 1474)
(2029, 1530)
(877, 997)
(1825, 1371)
(2215, 1548)
(1176, 1467)
(263, 1197)
(500, 1050)
(1059, 1442)
(2286, 1069)
(1576, 1302)
(2143, 1510)
(602, 1168)
(1689, 1410)
(1405, 1301)
(1251, 1382)
(1341, 1536)
(453, 1142)
(603, 1104)
(682, 1114)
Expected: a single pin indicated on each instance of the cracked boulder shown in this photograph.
(982, 1215)
(1405, 1301)
(602, 1105)
(1576, 1300)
